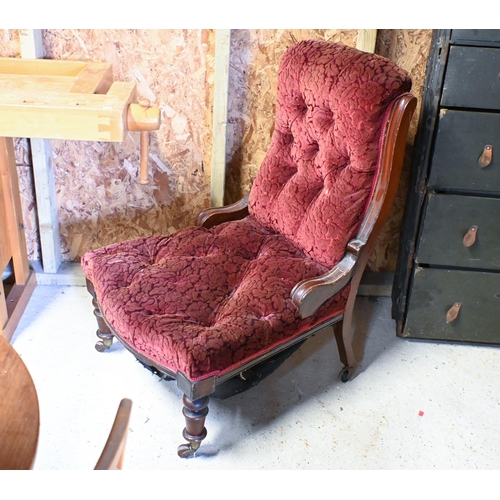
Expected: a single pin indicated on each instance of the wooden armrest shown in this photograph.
(308, 295)
(215, 216)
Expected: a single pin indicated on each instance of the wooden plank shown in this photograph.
(42, 83)
(5, 251)
(60, 115)
(4, 315)
(17, 300)
(14, 300)
(15, 229)
(31, 44)
(40, 67)
(219, 139)
(46, 204)
(43, 165)
(96, 78)
(366, 40)
(122, 92)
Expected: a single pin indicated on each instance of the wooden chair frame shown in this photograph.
(308, 295)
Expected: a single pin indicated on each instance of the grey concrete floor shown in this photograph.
(411, 406)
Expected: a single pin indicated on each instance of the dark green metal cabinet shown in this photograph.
(434, 293)
(461, 137)
(447, 282)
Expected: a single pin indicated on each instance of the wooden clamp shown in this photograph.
(72, 100)
(142, 117)
(65, 100)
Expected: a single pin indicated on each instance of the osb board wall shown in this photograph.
(99, 198)
(254, 59)
(9, 43)
(410, 50)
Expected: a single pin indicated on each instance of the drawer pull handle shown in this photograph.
(470, 237)
(486, 157)
(452, 313)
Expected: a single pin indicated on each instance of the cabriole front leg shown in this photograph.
(195, 413)
(342, 331)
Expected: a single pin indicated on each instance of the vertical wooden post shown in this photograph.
(12, 200)
(43, 173)
(31, 44)
(219, 140)
(16, 299)
(4, 315)
(5, 256)
(367, 39)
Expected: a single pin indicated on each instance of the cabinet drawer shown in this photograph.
(464, 36)
(434, 293)
(448, 218)
(460, 142)
(471, 79)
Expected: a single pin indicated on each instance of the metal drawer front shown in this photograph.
(434, 293)
(471, 79)
(464, 36)
(460, 142)
(448, 219)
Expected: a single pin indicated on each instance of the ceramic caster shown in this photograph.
(344, 374)
(106, 341)
(101, 346)
(185, 451)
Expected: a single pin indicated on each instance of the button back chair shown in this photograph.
(254, 279)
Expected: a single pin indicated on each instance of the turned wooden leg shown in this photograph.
(103, 331)
(195, 413)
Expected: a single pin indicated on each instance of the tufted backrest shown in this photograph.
(316, 179)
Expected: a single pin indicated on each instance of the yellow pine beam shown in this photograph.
(366, 40)
(96, 78)
(40, 84)
(66, 115)
(48, 67)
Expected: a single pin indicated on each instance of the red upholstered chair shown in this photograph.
(251, 280)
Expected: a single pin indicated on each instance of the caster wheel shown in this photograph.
(185, 451)
(101, 346)
(344, 374)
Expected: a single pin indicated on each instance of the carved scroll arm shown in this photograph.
(309, 294)
(214, 216)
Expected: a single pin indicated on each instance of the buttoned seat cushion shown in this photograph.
(203, 301)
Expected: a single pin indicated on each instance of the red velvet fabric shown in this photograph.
(315, 181)
(203, 301)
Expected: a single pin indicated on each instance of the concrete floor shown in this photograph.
(412, 405)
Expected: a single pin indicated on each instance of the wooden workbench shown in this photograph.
(50, 99)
